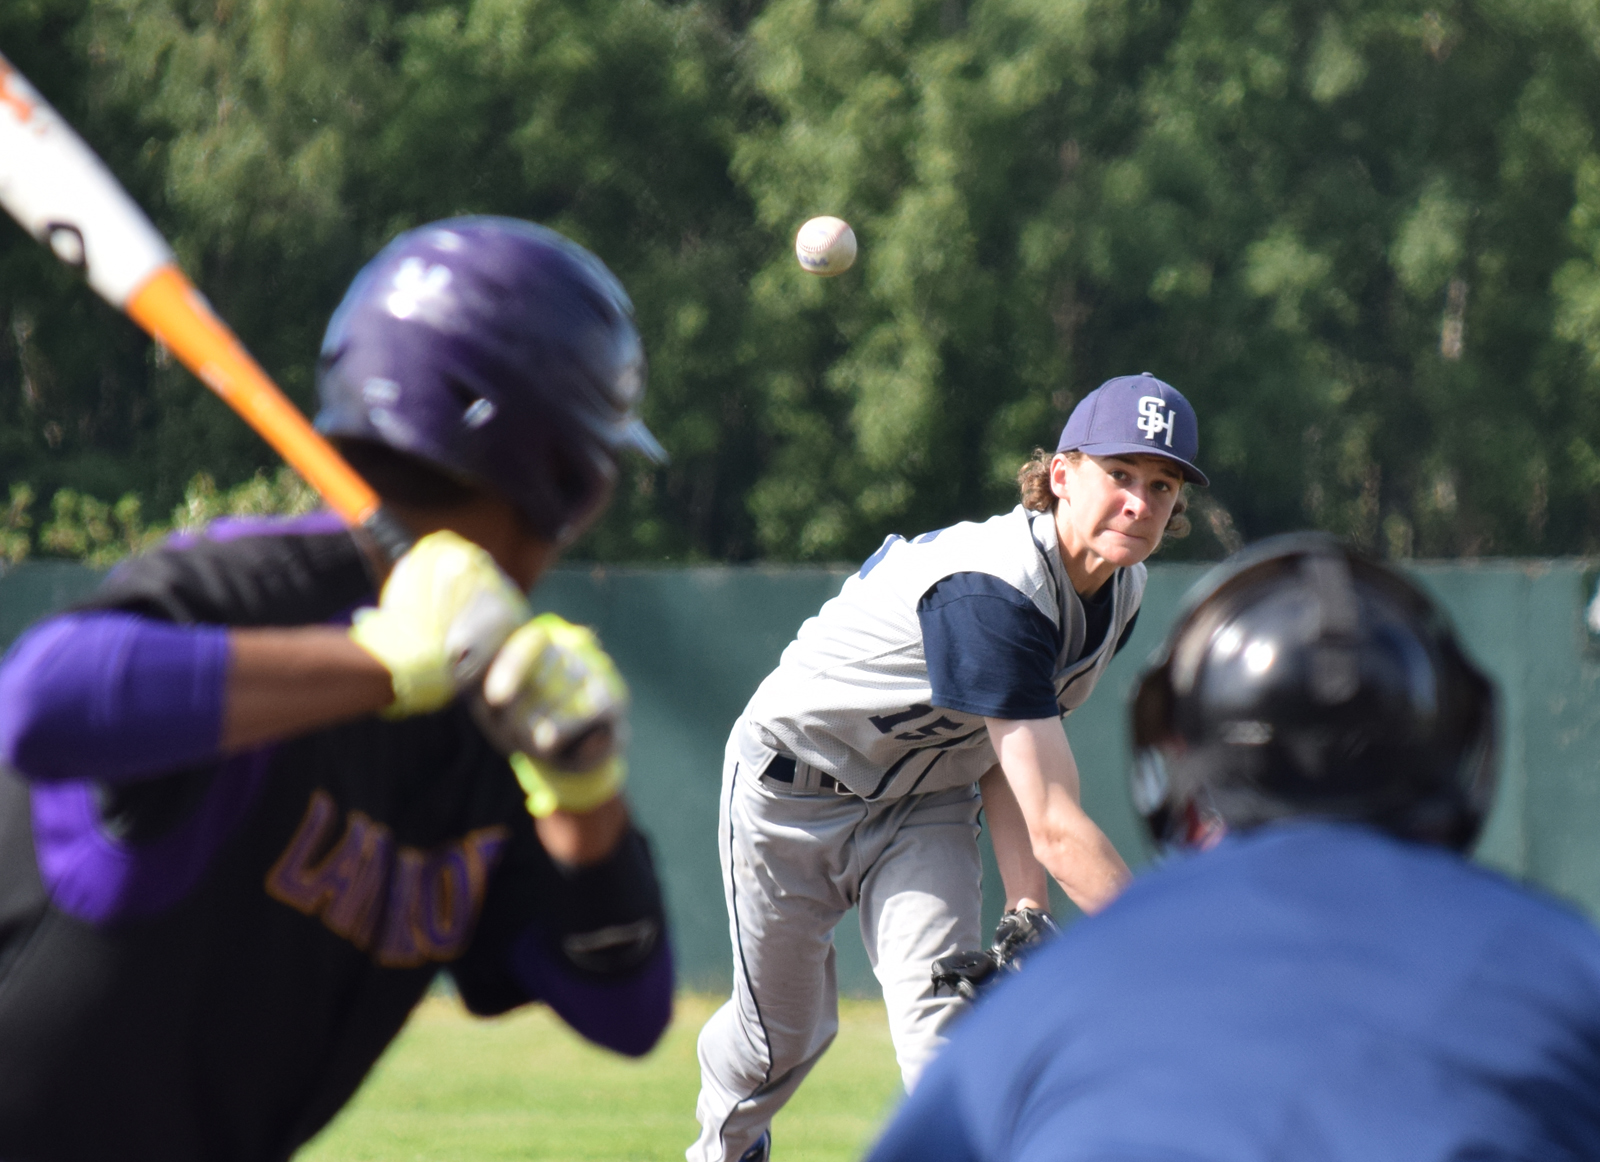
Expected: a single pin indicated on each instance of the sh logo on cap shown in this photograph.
(1135, 415)
(1151, 422)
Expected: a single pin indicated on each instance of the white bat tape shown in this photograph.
(54, 185)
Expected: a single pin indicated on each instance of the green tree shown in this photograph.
(1365, 240)
(279, 145)
(1335, 229)
(70, 372)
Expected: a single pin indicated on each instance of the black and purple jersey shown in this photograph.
(201, 957)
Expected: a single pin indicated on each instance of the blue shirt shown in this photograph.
(990, 651)
(1307, 992)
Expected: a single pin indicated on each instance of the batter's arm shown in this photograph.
(1042, 775)
(115, 697)
(287, 682)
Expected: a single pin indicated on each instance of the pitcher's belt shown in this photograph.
(781, 770)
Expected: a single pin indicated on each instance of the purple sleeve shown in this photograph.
(627, 1015)
(112, 697)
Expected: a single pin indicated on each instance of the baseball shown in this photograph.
(825, 246)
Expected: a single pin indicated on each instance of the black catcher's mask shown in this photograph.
(1304, 679)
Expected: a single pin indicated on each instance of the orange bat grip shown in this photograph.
(169, 307)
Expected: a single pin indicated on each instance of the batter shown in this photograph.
(244, 819)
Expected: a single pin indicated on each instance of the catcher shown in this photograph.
(245, 818)
(1323, 976)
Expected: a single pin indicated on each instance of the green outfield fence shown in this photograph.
(695, 642)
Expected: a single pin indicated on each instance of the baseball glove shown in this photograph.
(1019, 932)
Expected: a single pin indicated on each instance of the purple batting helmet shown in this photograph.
(499, 352)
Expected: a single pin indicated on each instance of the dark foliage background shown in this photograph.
(1363, 237)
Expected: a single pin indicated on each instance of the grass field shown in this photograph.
(525, 1087)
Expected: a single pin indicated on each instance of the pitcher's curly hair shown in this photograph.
(1033, 479)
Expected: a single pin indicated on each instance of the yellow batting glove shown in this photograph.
(549, 790)
(444, 611)
(555, 702)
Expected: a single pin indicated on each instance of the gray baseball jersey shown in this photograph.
(887, 688)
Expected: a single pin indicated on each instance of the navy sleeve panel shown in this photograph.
(989, 649)
(1127, 632)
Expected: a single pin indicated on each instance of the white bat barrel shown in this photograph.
(53, 184)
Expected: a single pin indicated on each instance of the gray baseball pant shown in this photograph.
(793, 862)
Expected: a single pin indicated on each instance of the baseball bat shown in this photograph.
(53, 184)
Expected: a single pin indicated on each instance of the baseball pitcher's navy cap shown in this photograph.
(1135, 415)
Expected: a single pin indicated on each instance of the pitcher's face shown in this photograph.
(1114, 508)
